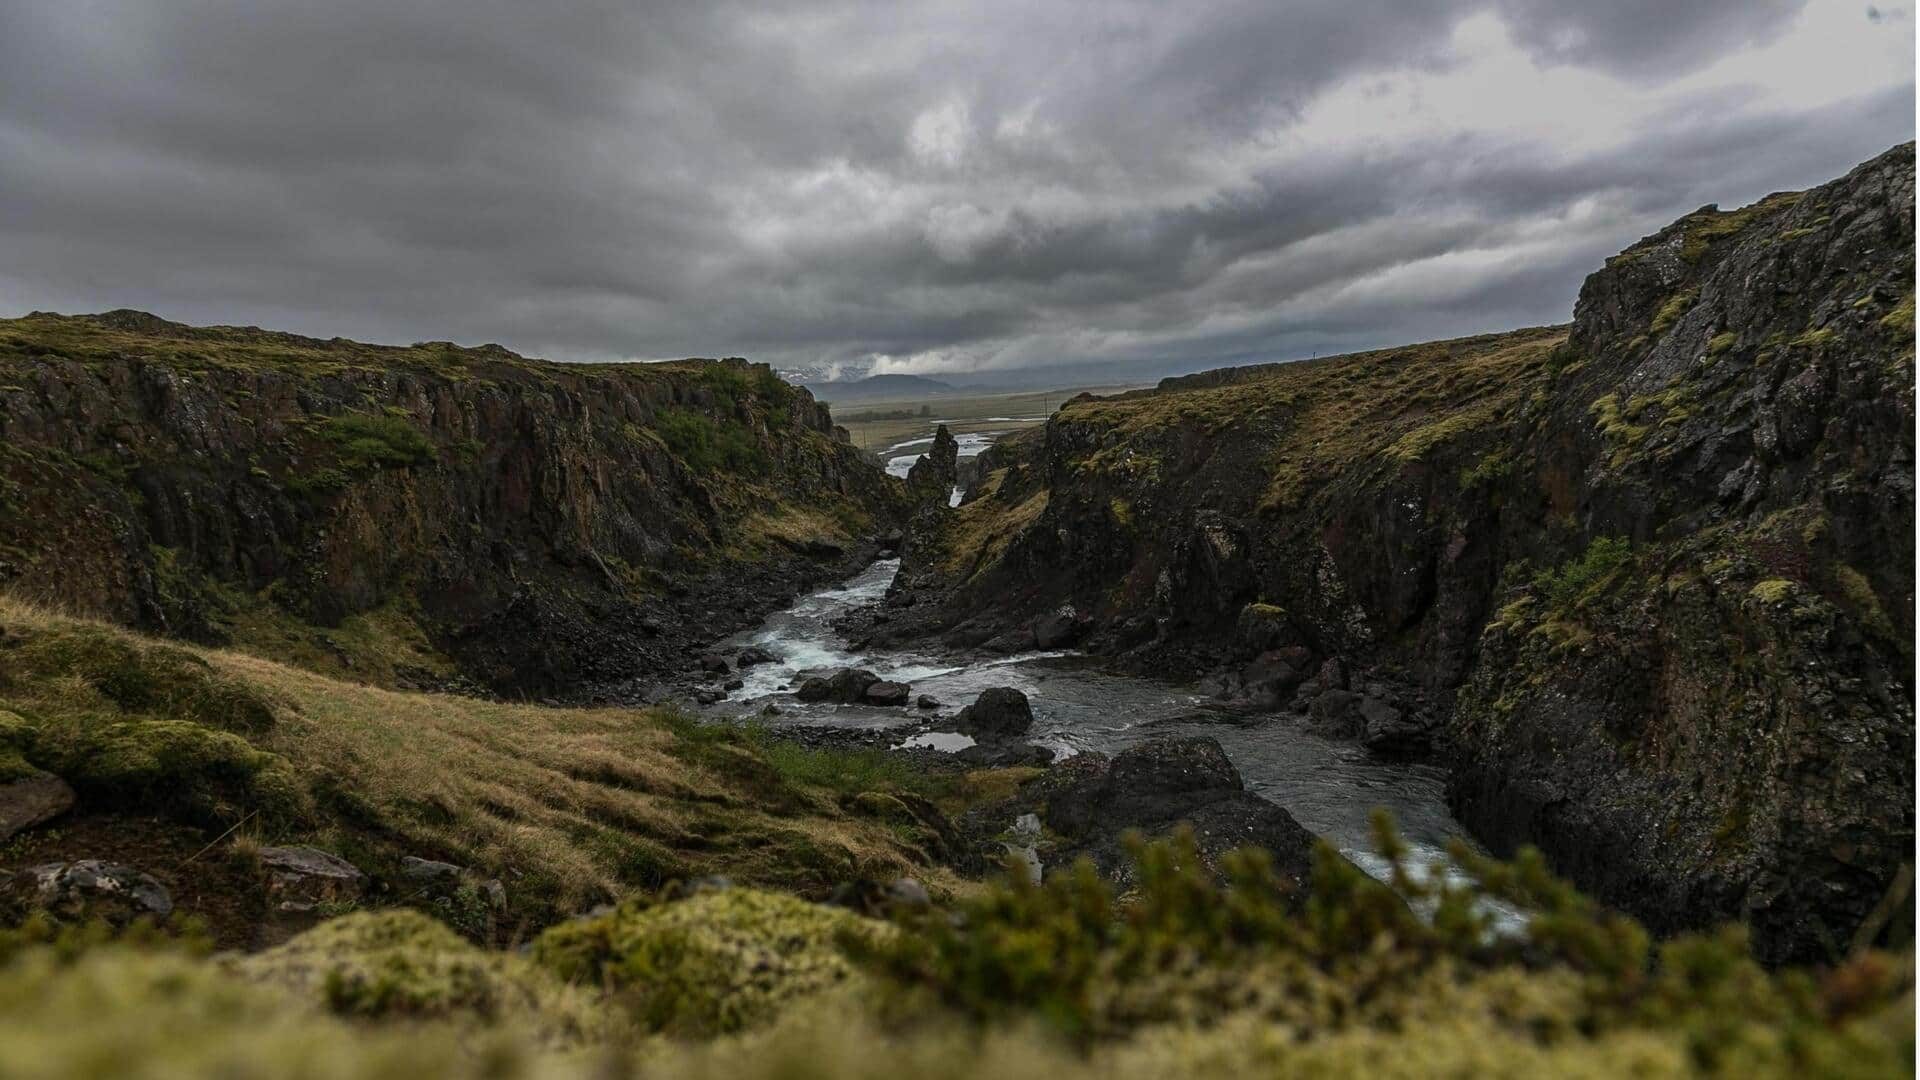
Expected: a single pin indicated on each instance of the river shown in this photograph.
(1331, 786)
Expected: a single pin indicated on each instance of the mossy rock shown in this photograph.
(177, 767)
(139, 677)
(715, 962)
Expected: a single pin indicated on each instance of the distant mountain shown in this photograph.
(880, 388)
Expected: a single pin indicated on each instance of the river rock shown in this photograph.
(1333, 711)
(1090, 801)
(752, 655)
(1390, 730)
(714, 663)
(846, 686)
(299, 878)
(1003, 755)
(883, 692)
(93, 889)
(1058, 629)
(1268, 680)
(927, 701)
(999, 712)
(30, 800)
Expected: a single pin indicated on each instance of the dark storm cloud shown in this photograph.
(1142, 186)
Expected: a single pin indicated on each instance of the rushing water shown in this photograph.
(1330, 785)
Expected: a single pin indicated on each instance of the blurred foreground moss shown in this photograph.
(1184, 976)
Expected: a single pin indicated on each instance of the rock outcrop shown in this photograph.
(1090, 802)
(1645, 579)
(424, 516)
(933, 476)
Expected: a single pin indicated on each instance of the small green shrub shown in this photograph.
(706, 446)
(713, 963)
(369, 442)
(1566, 586)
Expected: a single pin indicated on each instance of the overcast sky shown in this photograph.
(1123, 188)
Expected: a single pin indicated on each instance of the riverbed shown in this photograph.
(1330, 785)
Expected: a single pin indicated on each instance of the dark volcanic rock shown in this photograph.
(1058, 629)
(882, 692)
(846, 686)
(752, 655)
(530, 515)
(1090, 801)
(999, 712)
(932, 477)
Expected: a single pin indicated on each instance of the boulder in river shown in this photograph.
(1090, 801)
(883, 692)
(999, 712)
(847, 686)
(751, 655)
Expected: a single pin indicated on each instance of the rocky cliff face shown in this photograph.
(1645, 580)
(417, 514)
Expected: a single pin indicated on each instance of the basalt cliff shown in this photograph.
(426, 516)
(1643, 580)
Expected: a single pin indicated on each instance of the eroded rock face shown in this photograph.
(933, 476)
(535, 515)
(1644, 579)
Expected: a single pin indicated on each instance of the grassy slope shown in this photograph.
(570, 807)
(1309, 423)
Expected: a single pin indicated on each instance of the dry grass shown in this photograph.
(1393, 406)
(568, 806)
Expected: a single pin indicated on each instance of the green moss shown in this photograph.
(136, 676)
(1676, 305)
(715, 962)
(1812, 339)
(1862, 601)
(1773, 591)
(1900, 319)
(403, 964)
(706, 446)
(1703, 230)
(1721, 343)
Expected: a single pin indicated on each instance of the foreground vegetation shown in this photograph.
(568, 807)
(714, 958)
(1182, 977)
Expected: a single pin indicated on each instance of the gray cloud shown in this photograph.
(1120, 189)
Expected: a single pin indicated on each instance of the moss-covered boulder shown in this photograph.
(715, 962)
(401, 963)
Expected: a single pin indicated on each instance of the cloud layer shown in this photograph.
(1094, 190)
